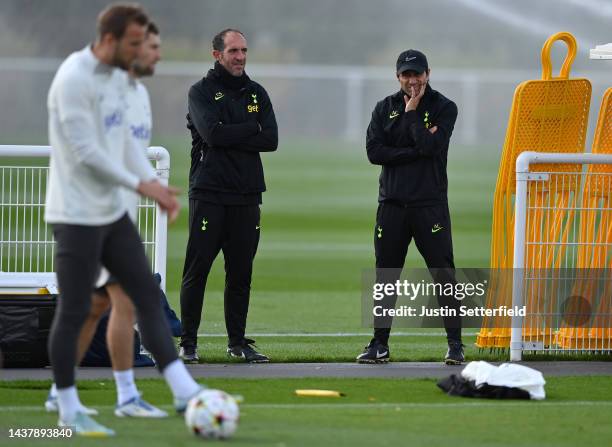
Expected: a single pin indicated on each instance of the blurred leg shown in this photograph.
(77, 260)
(123, 255)
(99, 306)
(120, 331)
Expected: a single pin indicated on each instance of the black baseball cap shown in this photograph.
(412, 60)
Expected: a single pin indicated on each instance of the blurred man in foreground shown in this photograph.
(90, 140)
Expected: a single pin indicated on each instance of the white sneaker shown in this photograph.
(52, 406)
(83, 425)
(139, 408)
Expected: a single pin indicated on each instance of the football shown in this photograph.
(212, 414)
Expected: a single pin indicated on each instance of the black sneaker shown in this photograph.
(247, 352)
(454, 355)
(189, 354)
(375, 352)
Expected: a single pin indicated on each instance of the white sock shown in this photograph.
(53, 393)
(68, 402)
(179, 380)
(126, 388)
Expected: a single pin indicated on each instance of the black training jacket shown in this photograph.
(413, 159)
(229, 128)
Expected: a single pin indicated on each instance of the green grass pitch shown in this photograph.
(317, 233)
(393, 412)
(317, 237)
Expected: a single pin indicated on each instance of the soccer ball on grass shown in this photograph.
(212, 414)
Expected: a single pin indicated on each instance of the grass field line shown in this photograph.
(337, 334)
(364, 406)
(317, 246)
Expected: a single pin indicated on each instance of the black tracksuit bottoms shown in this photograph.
(430, 227)
(79, 252)
(235, 231)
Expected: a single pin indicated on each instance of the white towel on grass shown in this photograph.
(507, 374)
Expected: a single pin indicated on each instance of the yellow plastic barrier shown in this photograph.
(547, 115)
(594, 237)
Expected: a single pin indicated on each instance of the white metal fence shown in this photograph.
(562, 254)
(27, 247)
(310, 101)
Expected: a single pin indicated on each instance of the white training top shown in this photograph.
(90, 142)
(140, 122)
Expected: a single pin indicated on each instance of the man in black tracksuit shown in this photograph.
(231, 121)
(409, 136)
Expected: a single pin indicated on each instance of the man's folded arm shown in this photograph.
(205, 118)
(381, 154)
(267, 138)
(430, 144)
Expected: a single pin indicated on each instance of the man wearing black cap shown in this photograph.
(409, 136)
